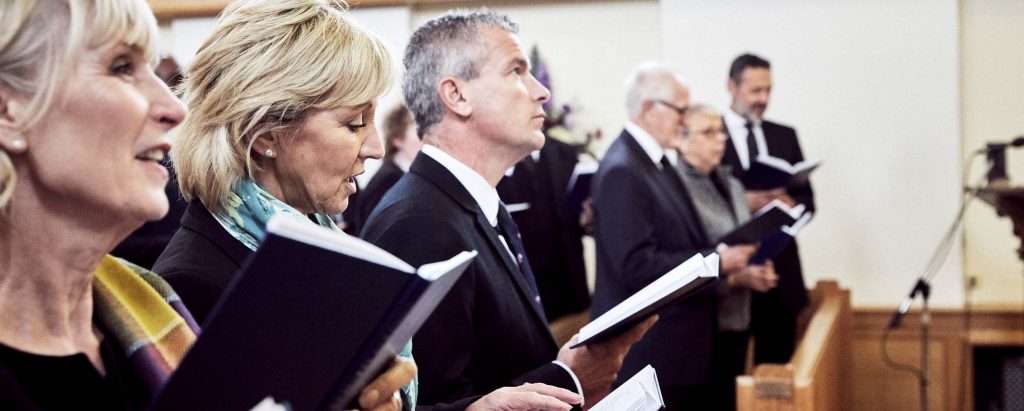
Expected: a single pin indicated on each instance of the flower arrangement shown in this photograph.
(558, 121)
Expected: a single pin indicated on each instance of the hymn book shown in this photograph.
(765, 222)
(640, 393)
(578, 189)
(767, 173)
(312, 317)
(774, 244)
(677, 284)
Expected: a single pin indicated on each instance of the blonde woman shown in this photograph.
(282, 99)
(83, 124)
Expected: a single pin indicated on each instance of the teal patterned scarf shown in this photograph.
(245, 215)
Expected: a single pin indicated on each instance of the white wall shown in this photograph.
(993, 110)
(873, 90)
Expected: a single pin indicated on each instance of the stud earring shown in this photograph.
(269, 153)
(18, 144)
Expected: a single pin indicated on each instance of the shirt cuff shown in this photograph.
(579, 388)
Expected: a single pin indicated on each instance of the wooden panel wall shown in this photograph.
(875, 386)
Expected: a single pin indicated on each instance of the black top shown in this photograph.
(39, 382)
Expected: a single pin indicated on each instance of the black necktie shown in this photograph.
(751, 142)
(507, 228)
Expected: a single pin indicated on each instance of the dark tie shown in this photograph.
(751, 142)
(507, 229)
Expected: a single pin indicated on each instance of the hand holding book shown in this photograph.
(596, 365)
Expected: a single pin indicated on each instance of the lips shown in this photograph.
(156, 153)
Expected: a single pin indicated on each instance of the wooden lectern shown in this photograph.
(1008, 201)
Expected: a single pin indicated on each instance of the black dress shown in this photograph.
(39, 382)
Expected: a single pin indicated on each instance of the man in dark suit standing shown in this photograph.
(645, 224)
(478, 109)
(774, 313)
(552, 234)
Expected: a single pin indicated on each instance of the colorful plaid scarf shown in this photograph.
(144, 318)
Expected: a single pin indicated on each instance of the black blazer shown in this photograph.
(782, 142)
(200, 262)
(551, 234)
(645, 225)
(386, 177)
(487, 333)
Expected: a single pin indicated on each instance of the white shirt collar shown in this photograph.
(737, 126)
(646, 141)
(485, 195)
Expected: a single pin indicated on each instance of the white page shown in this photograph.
(640, 393)
(683, 274)
(336, 241)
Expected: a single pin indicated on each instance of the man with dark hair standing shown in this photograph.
(478, 109)
(774, 313)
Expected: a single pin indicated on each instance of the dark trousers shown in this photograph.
(689, 398)
(730, 359)
(774, 328)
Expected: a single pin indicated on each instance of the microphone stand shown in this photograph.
(924, 288)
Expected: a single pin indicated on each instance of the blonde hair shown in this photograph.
(269, 63)
(36, 55)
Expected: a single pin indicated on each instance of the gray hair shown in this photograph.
(447, 46)
(648, 81)
(703, 110)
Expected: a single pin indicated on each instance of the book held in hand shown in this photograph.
(673, 286)
(773, 245)
(311, 318)
(578, 189)
(640, 393)
(765, 222)
(767, 173)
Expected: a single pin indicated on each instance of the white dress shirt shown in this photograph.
(647, 142)
(737, 126)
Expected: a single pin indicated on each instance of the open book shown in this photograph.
(674, 285)
(773, 245)
(765, 222)
(640, 393)
(578, 188)
(312, 317)
(767, 172)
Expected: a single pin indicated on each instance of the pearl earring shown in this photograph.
(18, 144)
(269, 153)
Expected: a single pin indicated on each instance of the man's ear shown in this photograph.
(732, 86)
(12, 113)
(453, 95)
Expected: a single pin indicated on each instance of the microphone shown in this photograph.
(996, 154)
(990, 147)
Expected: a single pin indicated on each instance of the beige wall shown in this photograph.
(993, 110)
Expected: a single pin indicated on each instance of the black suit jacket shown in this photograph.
(551, 234)
(487, 332)
(645, 225)
(200, 262)
(362, 203)
(782, 142)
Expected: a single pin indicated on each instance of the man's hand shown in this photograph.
(734, 258)
(758, 199)
(760, 278)
(382, 393)
(527, 397)
(597, 365)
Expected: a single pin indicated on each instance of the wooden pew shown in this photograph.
(818, 376)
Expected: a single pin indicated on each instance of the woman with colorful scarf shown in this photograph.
(83, 124)
(282, 99)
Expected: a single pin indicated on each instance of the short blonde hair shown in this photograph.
(267, 64)
(36, 54)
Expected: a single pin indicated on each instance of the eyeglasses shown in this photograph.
(680, 110)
